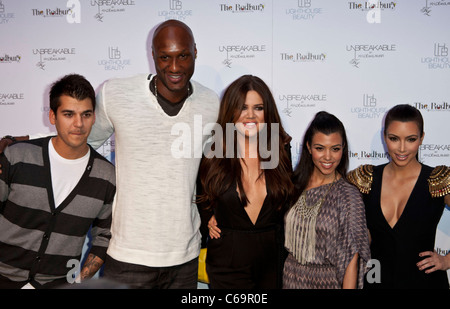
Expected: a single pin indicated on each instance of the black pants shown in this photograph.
(135, 276)
(6, 283)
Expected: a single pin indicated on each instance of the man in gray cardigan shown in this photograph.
(52, 191)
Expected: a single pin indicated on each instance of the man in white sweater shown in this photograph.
(155, 229)
(155, 239)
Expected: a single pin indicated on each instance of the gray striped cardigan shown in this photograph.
(36, 239)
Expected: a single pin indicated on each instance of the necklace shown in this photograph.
(301, 230)
(156, 89)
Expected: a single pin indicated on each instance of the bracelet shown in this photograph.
(12, 138)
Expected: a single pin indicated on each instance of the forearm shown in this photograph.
(8, 140)
(91, 266)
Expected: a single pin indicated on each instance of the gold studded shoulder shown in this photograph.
(362, 177)
(439, 181)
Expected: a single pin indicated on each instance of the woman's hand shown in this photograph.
(433, 262)
(214, 231)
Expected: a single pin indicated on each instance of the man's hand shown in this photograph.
(4, 142)
(8, 140)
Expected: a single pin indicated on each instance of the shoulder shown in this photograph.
(439, 181)
(135, 82)
(102, 168)
(25, 150)
(200, 90)
(362, 177)
(346, 191)
(347, 197)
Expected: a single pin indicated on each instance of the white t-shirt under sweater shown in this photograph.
(155, 222)
(65, 173)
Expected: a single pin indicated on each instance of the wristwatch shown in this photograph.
(12, 138)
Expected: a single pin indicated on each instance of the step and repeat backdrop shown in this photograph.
(355, 59)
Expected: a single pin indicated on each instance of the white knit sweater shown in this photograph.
(155, 222)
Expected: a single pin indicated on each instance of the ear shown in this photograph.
(309, 147)
(421, 139)
(52, 117)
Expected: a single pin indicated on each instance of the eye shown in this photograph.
(68, 114)
(87, 115)
(412, 139)
(259, 108)
(336, 149)
(318, 148)
(393, 138)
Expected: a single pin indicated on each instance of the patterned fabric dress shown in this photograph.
(340, 232)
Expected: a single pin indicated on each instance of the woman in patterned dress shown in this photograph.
(325, 228)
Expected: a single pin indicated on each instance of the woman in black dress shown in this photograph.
(245, 189)
(404, 201)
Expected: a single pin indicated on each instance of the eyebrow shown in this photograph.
(317, 144)
(412, 135)
(72, 111)
(257, 104)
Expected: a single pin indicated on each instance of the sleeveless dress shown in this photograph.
(397, 248)
(247, 255)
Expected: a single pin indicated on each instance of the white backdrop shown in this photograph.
(355, 59)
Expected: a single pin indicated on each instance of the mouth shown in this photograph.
(327, 165)
(401, 157)
(250, 125)
(175, 78)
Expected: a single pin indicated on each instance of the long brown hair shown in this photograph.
(218, 173)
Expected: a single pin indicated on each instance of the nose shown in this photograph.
(250, 113)
(402, 146)
(327, 154)
(173, 66)
(78, 121)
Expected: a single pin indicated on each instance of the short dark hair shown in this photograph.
(72, 85)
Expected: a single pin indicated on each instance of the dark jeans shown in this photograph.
(5, 283)
(135, 276)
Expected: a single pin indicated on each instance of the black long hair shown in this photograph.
(325, 123)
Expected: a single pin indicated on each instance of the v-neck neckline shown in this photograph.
(236, 193)
(58, 208)
(402, 215)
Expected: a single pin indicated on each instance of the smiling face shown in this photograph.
(403, 140)
(174, 54)
(326, 152)
(251, 118)
(73, 121)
